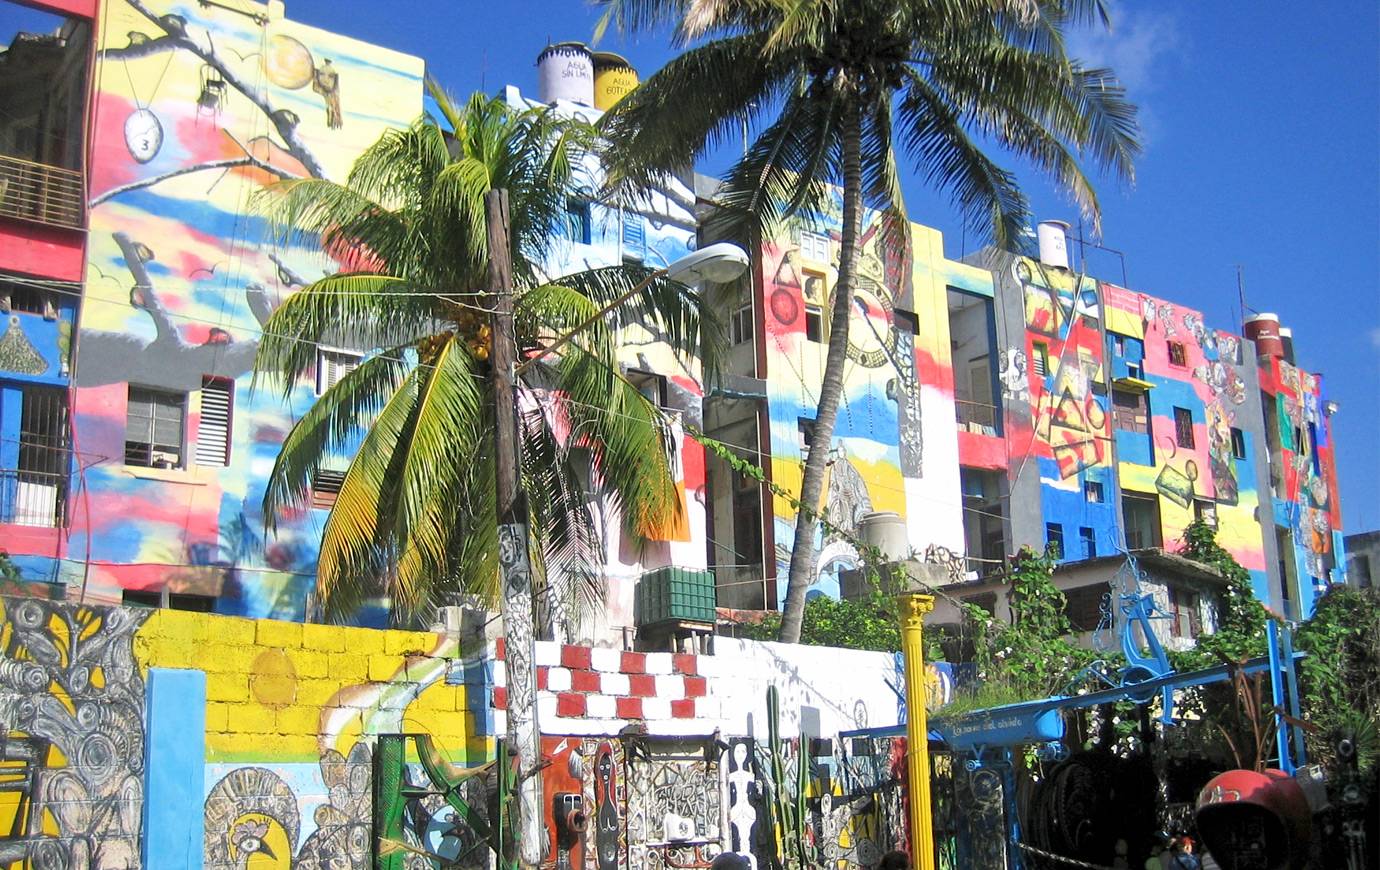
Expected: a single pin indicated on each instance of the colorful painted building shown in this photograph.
(1011, 401)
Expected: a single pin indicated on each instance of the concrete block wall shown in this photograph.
(107, 705)
(584, 691)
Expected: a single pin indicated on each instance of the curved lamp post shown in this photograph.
(718, 264)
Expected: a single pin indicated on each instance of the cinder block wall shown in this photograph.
(219, 734)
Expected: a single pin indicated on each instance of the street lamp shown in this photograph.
(719, 263)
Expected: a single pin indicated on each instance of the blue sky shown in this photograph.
(1263, 150)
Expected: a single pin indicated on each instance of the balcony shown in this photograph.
(41, 193)
(979, 417)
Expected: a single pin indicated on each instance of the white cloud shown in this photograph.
(1375, 338)
(1140, 47)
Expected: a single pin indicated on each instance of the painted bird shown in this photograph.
(326, 82)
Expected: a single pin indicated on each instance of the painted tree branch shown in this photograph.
(177, 37)
(230, 163)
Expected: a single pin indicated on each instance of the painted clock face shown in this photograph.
(143, 135)
(871, 339)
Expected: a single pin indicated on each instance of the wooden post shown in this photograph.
(524, 734)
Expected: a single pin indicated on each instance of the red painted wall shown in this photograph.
(41, 251)
(81, 8)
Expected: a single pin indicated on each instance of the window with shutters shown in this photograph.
(634, 237)
(1039, 359)
(1183, 427)
(213, 435)
(740, 325)
(1187, 616)
(814, 247)
(1178, 354)
(332, 365)
(325, 486)
(154, 423)
(1131, 411)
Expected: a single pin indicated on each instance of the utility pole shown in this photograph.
(524, 735)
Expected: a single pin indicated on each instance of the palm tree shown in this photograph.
(414, 519)
(839, 86)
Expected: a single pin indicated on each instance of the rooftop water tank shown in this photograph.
(1286, 342)
(886, 531)
(1263, 329)
(565, 71)
(1054, 245)
(614, 79)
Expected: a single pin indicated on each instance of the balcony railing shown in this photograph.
(41, 193)
(977, 417)
(33, 498)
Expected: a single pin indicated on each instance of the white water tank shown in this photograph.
(886, 531)
(565, 71)
(1053, 237)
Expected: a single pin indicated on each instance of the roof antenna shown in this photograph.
(1241, 295)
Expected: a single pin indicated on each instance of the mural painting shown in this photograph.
(71, 735)
(1067, 384)
(197, 109)
(892, 427)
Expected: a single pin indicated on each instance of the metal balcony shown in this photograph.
(41, 193)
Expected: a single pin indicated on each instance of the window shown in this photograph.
(814, 323)
(1188, 619)
(1054, 539)
(1083, 606)
(25, 298)
(634, 237)
(1205, 511)
(325, 486)
(213, 435)
(1178, 355)
(805, 431)
(332, 365)
(1088, 538)
(152, 598)
(1039, 358)
(1238, 443)
(815, 247)
(1359, 571)
(153, 428)
(651, 386)
(986, 603)
(740, 325)
(1131, 411)
(1118, 344)
(1313, 448)
(1092, 492)
(576, 227)
(1141, 516)
(1183, 427)
(815, 287)
(35, 492)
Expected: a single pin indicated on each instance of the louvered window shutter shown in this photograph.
(213, 436)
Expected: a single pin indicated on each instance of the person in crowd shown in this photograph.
(895, 861)
(730, 861)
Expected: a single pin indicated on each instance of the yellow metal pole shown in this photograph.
(913, 608)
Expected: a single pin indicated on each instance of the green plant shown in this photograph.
(833, 89)
(1339, 679)
(8, 570)
(415, 518)
(1240, 632)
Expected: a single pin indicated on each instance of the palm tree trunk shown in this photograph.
(802, 570)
